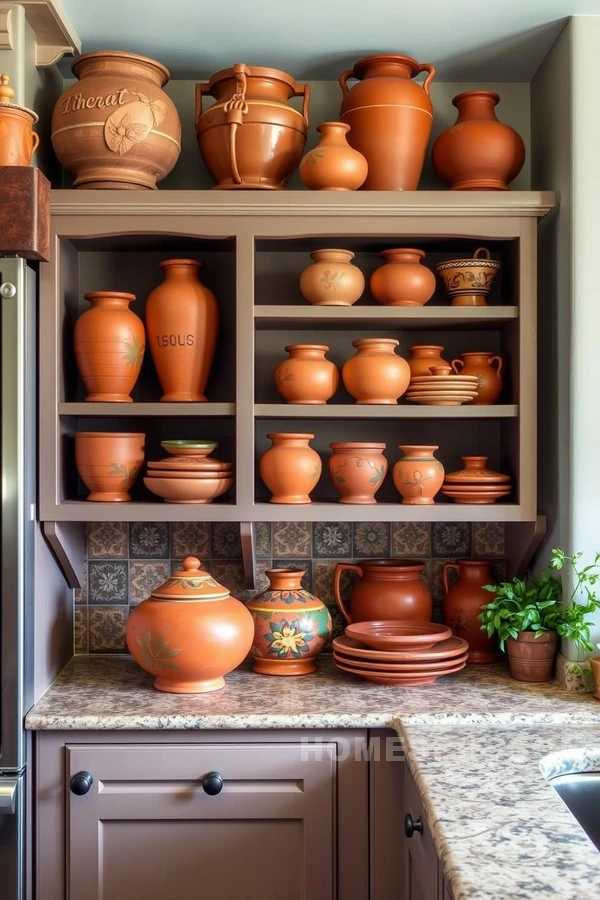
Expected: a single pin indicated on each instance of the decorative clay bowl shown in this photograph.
(469, 281)
(193, 490)
(189, 448)
(398, 635)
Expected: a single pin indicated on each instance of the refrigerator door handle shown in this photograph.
(8, 796)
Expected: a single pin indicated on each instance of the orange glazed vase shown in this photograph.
(190, 632)
(182, 321)
(390, 119)
(489, 377)
(291, 626)
(290, 468)
(108, 463)
(418, 476)
(109, 344)
(387, 590)
(332, 280)
(357, 470)
(462, 604)
(18, 141)
(307, 376)
(333, 165)
(424, 357)
(402, 280)
(478, 153)
(376, 374)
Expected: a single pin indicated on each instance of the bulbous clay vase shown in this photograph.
(182, 321)
(387, 590)
(462, 604)
(116, 127)
(478, 153)
(489, 379)
(190, 632)
(291, 626)
(332, 280)
(468, 282)
(424, 357)
(333, 165)
(357, 470)
(418, 476)
(376, 374)
(531, 656)
(108, 463)
(109, 344)
(290, 468)
(390, 118)
(18, 140)
(251, 137)
(402, 280)
(307, 376)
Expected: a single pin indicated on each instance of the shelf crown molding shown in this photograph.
(53, 32)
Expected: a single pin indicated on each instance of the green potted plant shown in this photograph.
(528, 615)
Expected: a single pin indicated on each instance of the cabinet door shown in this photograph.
(420, 857)
(146, 828)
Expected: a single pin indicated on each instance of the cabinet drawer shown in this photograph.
(420, 857)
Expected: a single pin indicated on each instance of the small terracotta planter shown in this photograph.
(402, 280)
(332, 280)
(108, 463)
(595, 664)
(531, 658)
(290, 468)
(307, 376)
(357, 470)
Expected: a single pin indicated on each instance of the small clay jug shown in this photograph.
(108, 463)
(291, 626)
(489, 377)
(418, 476)
(109, 344)
(290, 468)
(18, 141)
(307, 376)
(332, 280)
(376, 374)
(402, 280)
(462, 604)
(333, 165)
(357, 470)
(387, 590)
(531, 656)
(424, 357)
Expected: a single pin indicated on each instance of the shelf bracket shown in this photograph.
(67, 542)
(523, 540)
(248, 554)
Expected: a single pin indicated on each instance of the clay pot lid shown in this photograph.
(124, 55)
(475, 471)
(190, 583)
(6, 96)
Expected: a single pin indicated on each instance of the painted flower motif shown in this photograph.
(149, 539)
(312, 157)
(332, 538)
(108, 580)
(287, 639)
(451, 537)
(134, 352)
(128, 474)
(282, 375)
(156, 653)
(122, 134)
(288, 596)
(331, 281)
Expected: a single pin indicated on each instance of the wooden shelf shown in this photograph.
(380, 317)
(85, 511)
(124, 410)
(365, 411)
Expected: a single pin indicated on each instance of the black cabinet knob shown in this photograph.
(411, 825)
(212, 783)
(80, 783)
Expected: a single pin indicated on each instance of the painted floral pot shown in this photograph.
(386, 590)
(18, 140)
(402, 280)
(424, 357)
(357, 470)
(307, 376)
(333, 165)
(332, 280)
(462, 604)
(487, 367)
(290, 468)
(468, 282)
(291, 626)
(108, 463)
(531, 656)
(376, 374)
(418, 476)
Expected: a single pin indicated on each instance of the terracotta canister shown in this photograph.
(190, 632)
(376, 374)
(402, 280)
(182, 321)
(418, 476)
(290, 468)
(333, 165)
(291, 626)
(108, 463)
(469, 281)
(390, 118)
(424, 357)
(387, 590)
(357, 470)
(109, 344)
(251, 137)
(332, 280)
(116, 127)
(478, 153)
(488, 368)
(18, 140)
(307, 376)
(462, 604)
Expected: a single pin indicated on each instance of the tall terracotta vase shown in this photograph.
(307, 376)
(333, 165)
(376, 374)
(418, 476)
(332, 280)
(390, 118)
(109, 344)
(489, 377)
(424, 357)
(387, 590)
(357, 470)
(290, 468)
(108, 463)
(463, 602)
(18, 140)
(291, 626)
(478, 153)
(402, 280)
(182, 321)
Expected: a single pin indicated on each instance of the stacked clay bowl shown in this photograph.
(187, 475)
(475, 483)
(442, 387)
(399, 653)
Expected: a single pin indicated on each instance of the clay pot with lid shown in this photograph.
(476, 472)
(469, 281)
(418, 476)
(386, 590)
(402, 280)
(290, 468)
(376, 374)
(487, 367)
(190, 632)
(333, 165)
(18, 140)
(357, 470)
(307, 376)
(108, 463)
(462, 604)
(424, 357)
(332, 280)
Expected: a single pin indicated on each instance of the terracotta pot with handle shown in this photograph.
(462, 604)
(18, 140)
(487, 367)
(387, 589)
(333, 165)
(531, 656)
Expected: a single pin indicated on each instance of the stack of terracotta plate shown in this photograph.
(187, 475)
(400, 653)
(475, 483)
(442, 389)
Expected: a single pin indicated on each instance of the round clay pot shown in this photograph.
(116, 127)
(376, 374)
(390, 118)
(469, 281)
(190, 632)
(531, 656)
(418, 476)
(387, 590)
(595, 664)
(462, 604)
(489, 378)
(307, 376)
(251, 137)
(478, 153)
(333, 165)
(18, 140)
(332, 280)
(424, 357)
(357, 470)
(109, 344)
(291, 626)
(182, 321)
(402, 280)
(290, 468)
(108, 463)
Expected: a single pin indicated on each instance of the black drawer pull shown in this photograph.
(411, 825)
(212, 783)
(80, 783)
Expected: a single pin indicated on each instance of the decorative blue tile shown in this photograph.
(107, 629)
(292, 539)
(190, 539)
(263, 540)
(488, 539)
(108, 582)
(411, 539)
(106, 540)
(226, 542)
(451, 539)
(332, 540)
(372, 539)
(144, 577)
(149, 540)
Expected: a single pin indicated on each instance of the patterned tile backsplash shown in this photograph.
(125, 562)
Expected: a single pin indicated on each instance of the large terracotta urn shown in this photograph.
(251, 137)
(357, 470)
(402, 280)
(290, 468)
(418, 476)
(333, 165)
(390, 118)
(108, 463)
(109, 344)
(424, 357)
(386, 590)
(182, 321)
(332, 280)
(291, 626)
(190, 632)
(115, 127)
(487, 367)
(18, 140)
(376, 374)
(307, 376)
(462, 604)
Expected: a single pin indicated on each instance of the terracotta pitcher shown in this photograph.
(402, 280)
(387, 589)
(376, 374)
(333, 165)
(357, 470)
(182, 321)
(424, 357)
(418, 476)
(463, 602)
(290, 468)
(488, 369)
(332, 280)
(307, 376)
(390, 118)
(18, 141)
